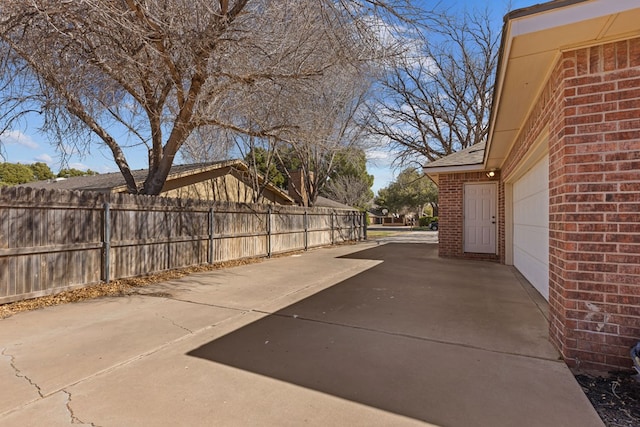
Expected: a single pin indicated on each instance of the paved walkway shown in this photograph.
(362, 335)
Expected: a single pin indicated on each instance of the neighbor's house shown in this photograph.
(229, 181)
(556, 189)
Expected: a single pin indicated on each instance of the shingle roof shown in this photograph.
(109, 181)
(323, 202)
(473, 155)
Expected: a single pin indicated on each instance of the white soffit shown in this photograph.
(532, 43)
(569, 15)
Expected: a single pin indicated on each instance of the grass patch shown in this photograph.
(375, 234)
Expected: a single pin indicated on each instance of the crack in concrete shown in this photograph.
(19, 374)
(176, 325)
(74, 418)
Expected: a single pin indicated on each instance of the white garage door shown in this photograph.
(531, 226)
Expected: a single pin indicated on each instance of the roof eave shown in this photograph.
(434, 172)
(543, 32)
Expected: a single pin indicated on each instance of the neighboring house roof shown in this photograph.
(102, 182)
(114, 182)
(376, 211)
(533, 39)
(323, 202)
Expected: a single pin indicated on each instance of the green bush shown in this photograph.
(425, 221)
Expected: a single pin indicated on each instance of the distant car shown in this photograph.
(434, 226)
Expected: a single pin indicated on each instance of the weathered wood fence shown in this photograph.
(52, 241)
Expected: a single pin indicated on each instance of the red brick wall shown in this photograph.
(591, 109)
(591, 106)
(548, 116)
(595, 206)
(450, 215)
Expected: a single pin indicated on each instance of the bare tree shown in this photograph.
(260, 156)
(326, 115)
(207, 144)
(158, 70)
(436, 98)
(349, 190)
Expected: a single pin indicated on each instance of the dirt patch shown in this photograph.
(616, 397)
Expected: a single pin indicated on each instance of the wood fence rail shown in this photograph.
(51, 240)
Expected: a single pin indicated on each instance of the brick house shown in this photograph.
(556, 190)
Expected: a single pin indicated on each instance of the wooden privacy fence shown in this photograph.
(52, 240)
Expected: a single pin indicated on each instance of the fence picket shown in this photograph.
(54, 240)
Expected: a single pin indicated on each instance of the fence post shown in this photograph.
(364, 225)
(306, 230)
(106, 243)
(211, 234)
(176, 225)
(332, 237)
(355, 232)
(269, 231)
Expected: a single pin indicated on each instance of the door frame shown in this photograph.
(538, 150)
(495, 209)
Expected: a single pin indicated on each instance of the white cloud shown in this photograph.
(79, 166)
(45, 158)
(18, 138)
(375, 155)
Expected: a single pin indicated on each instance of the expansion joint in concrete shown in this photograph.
(408, 336)
(176, 324)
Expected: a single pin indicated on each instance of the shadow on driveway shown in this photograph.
(449, 342)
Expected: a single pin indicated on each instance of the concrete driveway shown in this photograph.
(363, 335)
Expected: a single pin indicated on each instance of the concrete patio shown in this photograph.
(361, 335)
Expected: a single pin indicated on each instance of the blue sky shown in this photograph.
(380, 163)
(24, 144)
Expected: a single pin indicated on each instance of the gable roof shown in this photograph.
(467, 160)
(470, 156)
(323, 202)
(114, 182)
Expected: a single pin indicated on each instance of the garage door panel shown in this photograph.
(531, 226)
(532, 210)
(537, 241)
(533, 270)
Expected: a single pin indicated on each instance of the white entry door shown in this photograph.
(480, 218)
